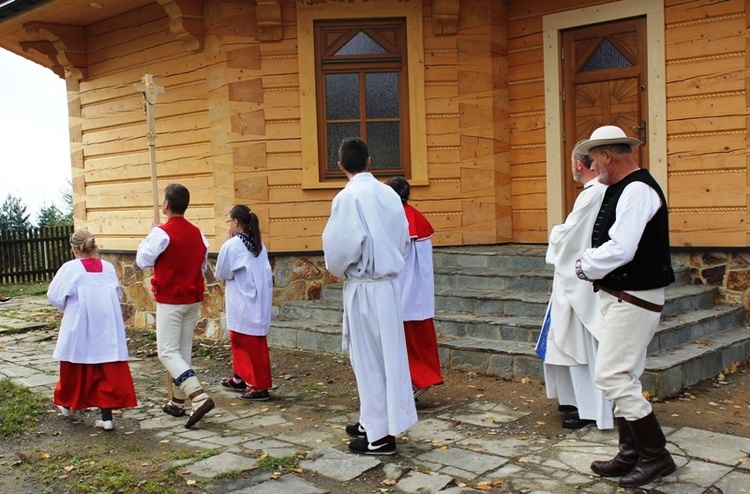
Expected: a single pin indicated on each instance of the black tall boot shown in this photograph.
(626, 457)
(653, 458)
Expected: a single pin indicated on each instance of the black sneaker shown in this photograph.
(255, 395)
(567, 409)
(383, 446)
(356, 431)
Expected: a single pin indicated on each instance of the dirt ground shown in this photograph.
(37, 461)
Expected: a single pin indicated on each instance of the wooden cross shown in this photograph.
(150, 92)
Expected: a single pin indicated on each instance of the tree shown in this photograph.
(48, 216)
(52, 215)
(13, 214)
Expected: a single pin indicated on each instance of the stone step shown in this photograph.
(675, 369)
(490, 302)
(666, 372)
(695, 325)
(492, 279)
(519, 257)
(679, 299)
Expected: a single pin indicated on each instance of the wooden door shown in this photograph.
(604, 83)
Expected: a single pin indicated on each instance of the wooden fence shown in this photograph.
(34, 254)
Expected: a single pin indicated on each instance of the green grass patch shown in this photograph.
(20, 409)
(89, 475)
(272, 463)
(21, 289)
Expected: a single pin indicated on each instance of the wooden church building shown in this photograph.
(477, 102)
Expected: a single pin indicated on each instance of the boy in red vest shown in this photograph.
(178, 251)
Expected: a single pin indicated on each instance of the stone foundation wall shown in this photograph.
(730, 271)
(295, 278)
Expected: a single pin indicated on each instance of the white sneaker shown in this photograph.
(107, 425)
(64, 410)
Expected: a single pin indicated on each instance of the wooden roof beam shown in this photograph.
(268, 18)
(445, 16)
(68, 46)
(186, 21)
(47, 49)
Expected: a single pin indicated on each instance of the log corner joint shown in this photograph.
(63, 45)
(186, 21)
(445, 16)
(268, 18)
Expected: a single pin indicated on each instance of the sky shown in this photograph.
(34, 138)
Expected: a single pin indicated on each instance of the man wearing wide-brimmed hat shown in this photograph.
(629, 263)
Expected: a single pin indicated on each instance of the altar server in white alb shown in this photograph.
(573, 322)
(91, 345)
(418, 297)
(365, 241)
(243, 262)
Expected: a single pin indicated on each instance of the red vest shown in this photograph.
(178, 277)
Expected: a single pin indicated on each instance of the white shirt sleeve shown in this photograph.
(637, 205)
(205, 258)
(152, 246)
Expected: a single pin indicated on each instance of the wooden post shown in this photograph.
(150, 94)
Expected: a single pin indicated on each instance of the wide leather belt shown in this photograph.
(631, 299)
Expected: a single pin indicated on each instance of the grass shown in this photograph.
(24, 289)
(19, 408)
(86, 474)
(272, 463)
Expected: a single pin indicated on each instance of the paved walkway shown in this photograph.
(448, 451)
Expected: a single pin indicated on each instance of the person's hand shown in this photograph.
(230, 234)
(155, 223)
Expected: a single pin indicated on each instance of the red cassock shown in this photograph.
(250, 359)
(418, 302)
(94, 385)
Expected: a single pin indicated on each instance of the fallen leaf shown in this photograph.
(388, 482)
(191, 482)
(297, 470)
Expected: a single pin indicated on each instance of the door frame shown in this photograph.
(657, 116)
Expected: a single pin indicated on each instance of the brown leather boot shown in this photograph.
(653, 458)
(625, 459)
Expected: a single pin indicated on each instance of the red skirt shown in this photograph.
(107, 385)
(422, 349)
(250, 359)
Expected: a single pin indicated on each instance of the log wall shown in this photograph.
(707, 123)
(229, 125)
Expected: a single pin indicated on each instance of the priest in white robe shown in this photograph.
(573, 321)
(365, 241)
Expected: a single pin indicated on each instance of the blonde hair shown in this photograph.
(83, 241)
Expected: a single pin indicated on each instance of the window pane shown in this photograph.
(336, 133)
(384, 145)
(382, 94)
(361, 44)
(342, 96)
(606, 56)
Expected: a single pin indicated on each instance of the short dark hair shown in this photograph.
(178, 197)
(353, 154)
(401, 186)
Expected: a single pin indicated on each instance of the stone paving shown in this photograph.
(451, 450)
